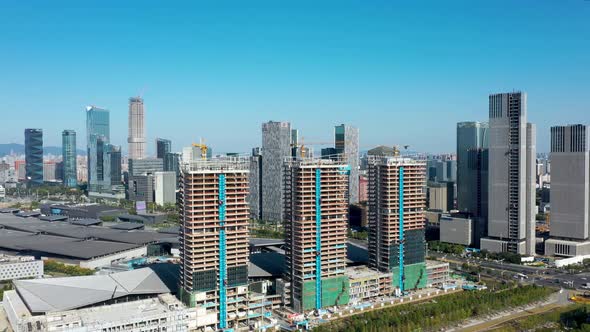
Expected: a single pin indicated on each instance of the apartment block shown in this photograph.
(315, 222)
(397, 200)
(512, 159)
(214, 238)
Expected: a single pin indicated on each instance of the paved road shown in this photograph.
(537, 275)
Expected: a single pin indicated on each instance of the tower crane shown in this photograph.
(396, 150)
(303, 145)
(201, 145)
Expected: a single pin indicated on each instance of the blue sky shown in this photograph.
(403, 72)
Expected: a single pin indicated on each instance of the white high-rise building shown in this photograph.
(570, 191)
(136, 138)
(511, 187)
(165, 187)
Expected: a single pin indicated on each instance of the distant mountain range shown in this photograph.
(6, 149)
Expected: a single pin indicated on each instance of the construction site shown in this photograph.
(315, 230)
(214, 245)
(396, 220)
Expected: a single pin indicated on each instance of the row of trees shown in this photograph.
(571, 318)
(358, 235)
(447, 248)
(71, 270)
(266, 229)
(501, 256)
(439, 313)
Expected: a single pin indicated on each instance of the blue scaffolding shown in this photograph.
(318, 240)
(222, 258)
(401, 229)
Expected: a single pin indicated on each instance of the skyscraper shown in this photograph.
(163, 146)
(255, 180)
(214, 238)
(397, 200)
(346, 141)
(570, 191)
(512, 159)
(34, 156)
(114, 159)
(472, 174)
(136, 138)
(97, 133)
(70, 173)
(315, 222)
(276, 146)
(172, 162)
(470, 136)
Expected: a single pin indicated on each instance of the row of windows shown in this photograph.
(575, 135)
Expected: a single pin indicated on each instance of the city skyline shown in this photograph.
(313, 166)
(315, 61)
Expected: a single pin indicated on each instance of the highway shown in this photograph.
(538, 275)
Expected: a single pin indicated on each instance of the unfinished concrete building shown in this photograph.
(397, 201)
(315, 232)
(214, 242)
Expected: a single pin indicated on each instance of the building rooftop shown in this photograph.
(263, 242)
(132, 217)
(68, 240)
(59, 245)
(170, 230)
(59, 294)
(92, 209)
(53, 218)
(5, 259)
(28, 214)
(267, 264)
(9, 210)
(86, 222)
(363, 272)
(127, 225)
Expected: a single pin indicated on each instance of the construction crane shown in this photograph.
(303, 145)
(201, 145)
(396, 151)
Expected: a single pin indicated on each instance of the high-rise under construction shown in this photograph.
(315, 207)
(214, 239)
(396, 219)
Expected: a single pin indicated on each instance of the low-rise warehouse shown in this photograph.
(87, 246)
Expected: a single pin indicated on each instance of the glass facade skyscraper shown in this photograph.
(100, 166)
(172, 162)
(163, 146)
(34, 156)
(472, 174)
(69, 158)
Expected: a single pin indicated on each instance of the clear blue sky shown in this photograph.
(403, 73)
